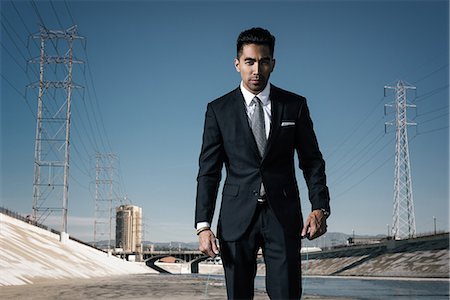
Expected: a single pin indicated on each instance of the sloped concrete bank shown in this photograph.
(425, 257)
(29, 254)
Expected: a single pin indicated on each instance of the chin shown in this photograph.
(256, 88)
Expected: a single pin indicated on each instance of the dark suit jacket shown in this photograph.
(228, 139)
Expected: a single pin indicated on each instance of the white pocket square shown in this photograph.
(287, 123)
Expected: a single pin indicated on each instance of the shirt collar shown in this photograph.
(263, 95)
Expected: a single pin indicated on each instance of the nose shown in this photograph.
(256, 68)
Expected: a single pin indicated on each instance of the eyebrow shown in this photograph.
(254, 59)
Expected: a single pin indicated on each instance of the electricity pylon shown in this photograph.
(51, 155)
(404, 224)
(105, 171)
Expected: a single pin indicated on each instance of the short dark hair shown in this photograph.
(255, 35)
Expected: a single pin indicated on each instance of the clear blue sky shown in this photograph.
(155, 66)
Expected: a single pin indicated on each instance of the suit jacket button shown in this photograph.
(255, 193)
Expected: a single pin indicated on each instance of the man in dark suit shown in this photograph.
(255, 130)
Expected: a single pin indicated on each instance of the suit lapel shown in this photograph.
(277, 111)
(241, 113)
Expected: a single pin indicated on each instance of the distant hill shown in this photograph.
(172, 245)
(158, 246)
(330, 239)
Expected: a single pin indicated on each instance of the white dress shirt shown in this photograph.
(264, 97)
(250, 109)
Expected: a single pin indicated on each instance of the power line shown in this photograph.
(431, 93)
(54, 95)
(435, 118)
(55, 47)
(357, 127)
(86, 110)
(15, 44)
(22, 95)
(428, 62)
(84, 171)
(4, 18)
(26, 28)
(432, 130)
(57, 17)
(363, 179)
(100, 117)
(79, 183)
(97, 103)
(36, 10)
(365, 118)
(431, 73)
(353, 171)
(68, 11)
(88, 134)
(432, 111)
(342, 161)
(100, 135)
(96, 110)
(12, 56)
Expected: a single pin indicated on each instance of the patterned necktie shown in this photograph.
(258, 126)
(259, 132)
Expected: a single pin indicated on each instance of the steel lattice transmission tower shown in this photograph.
(105, 172)
(51, 156)
(404, 225)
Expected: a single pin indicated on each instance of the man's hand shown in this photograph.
(207, 243)
(315, 225)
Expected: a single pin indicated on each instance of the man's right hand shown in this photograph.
(207, 243)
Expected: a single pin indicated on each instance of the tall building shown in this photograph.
(129, 228)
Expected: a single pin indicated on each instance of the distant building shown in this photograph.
(363, 240)
(129, 228)
(310, 249)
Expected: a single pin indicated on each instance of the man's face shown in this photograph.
(255, 65)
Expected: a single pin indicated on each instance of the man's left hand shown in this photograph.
(315, 225)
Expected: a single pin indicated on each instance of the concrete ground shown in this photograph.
(136, 287)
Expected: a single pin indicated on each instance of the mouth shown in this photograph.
(255, 81)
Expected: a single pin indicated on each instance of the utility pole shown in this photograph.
(52, 145)
(404, 225)
(434, 222)
(104, 197)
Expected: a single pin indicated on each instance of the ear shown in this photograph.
(236, 65)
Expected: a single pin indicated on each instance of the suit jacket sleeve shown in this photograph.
(210, 168)
(311, 161)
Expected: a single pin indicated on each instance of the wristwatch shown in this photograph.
(325, 212)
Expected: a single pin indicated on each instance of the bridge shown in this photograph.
(192, 258)
(183, 256)
(189, 257)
